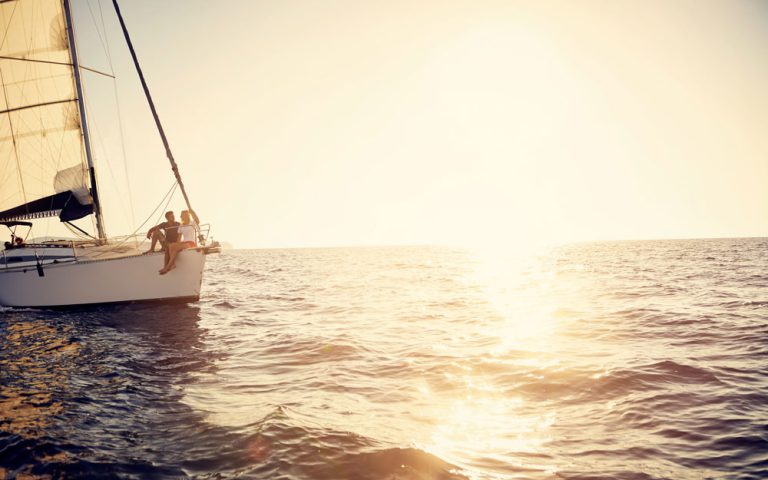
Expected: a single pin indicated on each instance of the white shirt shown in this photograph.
(187, 232)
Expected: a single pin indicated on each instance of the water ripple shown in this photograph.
(616, 360)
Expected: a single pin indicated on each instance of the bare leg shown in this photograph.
(173, 250)
(157, 236)
(170, 255)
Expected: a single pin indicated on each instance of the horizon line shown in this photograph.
(470, 247)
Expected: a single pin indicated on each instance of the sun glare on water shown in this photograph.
(482, 419)
(462, 347)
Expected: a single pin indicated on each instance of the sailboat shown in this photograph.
(47, 170)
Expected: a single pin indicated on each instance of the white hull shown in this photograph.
(114, 280)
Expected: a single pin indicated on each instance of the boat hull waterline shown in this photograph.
(115, 280)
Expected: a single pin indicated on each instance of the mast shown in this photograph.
(83, 120)
(168, 152)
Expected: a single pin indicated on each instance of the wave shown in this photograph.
(224, 304)
(745, 303)
(391, 463)
(658, 374)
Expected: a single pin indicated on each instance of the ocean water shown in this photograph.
(620, 360)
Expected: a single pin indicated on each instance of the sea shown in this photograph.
(615, 360)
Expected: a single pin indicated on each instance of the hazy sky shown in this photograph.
(350, 122)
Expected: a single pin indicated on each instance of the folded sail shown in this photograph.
(41, 148)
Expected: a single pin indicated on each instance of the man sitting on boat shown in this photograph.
(166, 233)
(187, 232)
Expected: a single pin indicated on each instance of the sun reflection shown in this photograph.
(259, 449)
(483, 420)
(490, 429)
(36, 363)
(517, 287)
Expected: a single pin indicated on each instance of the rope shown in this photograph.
(104, 47)
(119, 112)
(168, 196)
(160, 130)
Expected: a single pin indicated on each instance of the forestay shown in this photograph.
(42, 158)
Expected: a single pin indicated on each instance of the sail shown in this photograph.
(41, 150)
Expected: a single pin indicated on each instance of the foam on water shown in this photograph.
(635, 360)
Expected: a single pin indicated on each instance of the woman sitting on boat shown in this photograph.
(187, 232)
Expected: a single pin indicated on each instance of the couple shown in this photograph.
(176, 238)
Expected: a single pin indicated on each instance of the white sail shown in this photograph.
(41, 148)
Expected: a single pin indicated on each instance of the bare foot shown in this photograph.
(167, 269)
(148, 252)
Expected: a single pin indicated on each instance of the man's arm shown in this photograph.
(156, 228)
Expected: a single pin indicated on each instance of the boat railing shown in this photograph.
(125, 243)
(139, 240)
(15, 262)
(204, 231)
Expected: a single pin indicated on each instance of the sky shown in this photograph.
(502, 123)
